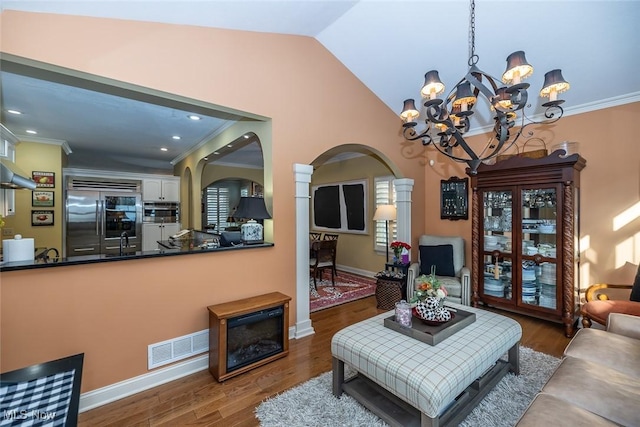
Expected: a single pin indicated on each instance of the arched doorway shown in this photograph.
(364, 163)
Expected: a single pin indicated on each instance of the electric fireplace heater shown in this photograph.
(248, 333)
(253, 337)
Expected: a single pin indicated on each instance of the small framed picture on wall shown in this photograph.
(41, 218)
(44, 179)
(42, 199)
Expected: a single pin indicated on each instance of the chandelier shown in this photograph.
(449, 119)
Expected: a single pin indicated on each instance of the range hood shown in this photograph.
(11, 177)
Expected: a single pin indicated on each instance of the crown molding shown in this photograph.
(60, 142)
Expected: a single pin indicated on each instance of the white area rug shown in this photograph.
(312, 404)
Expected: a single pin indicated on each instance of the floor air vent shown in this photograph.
(170, 351)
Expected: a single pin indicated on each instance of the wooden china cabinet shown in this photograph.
(525, 236)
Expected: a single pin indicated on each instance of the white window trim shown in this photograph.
(379, 227)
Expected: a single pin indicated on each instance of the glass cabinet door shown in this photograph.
(539, 241)
(120, 214)
(497, 243)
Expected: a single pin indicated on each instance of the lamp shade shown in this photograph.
(409, 112)
(464, 96)
(385, 213)
(554, 83)
(251, 208)
(517, 68)
(433, 86)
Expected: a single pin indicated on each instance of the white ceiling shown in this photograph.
(388, 45)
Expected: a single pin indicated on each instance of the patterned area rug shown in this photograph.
(348, 287)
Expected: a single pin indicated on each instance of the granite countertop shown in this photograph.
(174, 250)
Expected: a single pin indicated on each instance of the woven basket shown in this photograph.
(388, 293)
(532, 154)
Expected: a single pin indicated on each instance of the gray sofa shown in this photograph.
(597, 382)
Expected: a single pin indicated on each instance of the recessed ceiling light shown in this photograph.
(32, 132)
(206, 158)
(216, 152)
(229, 145)
(194, 117)
(14, 112)
(164, 149)
(175, 137)
(246, 136)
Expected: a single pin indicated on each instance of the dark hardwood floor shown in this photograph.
(199, 400)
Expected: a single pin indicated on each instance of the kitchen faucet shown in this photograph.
(44, 255)
(124, 236)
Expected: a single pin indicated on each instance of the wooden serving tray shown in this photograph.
(432, 335)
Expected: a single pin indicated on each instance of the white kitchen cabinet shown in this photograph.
(161, 189)
(7, 202)
(152, 232)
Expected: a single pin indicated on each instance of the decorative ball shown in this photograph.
(442, 315)
(432, 303)
(430, 315)
(422, 309)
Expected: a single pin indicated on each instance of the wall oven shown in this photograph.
(161, 212)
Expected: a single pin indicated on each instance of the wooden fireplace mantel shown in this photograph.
(218, 317)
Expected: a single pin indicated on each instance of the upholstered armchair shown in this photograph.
(447, 254)
(603, 299)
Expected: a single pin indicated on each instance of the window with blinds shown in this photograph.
(385, 194)
(217, 206)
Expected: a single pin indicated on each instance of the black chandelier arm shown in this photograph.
(551, 110)
(518, 96)
(477, 82)
(552, 114)
(410, 134)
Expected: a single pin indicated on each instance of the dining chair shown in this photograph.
(314, 236)
(46, 391)
(325, 257)
(329, 236)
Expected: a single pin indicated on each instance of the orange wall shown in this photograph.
(610, 188)
(113, 311)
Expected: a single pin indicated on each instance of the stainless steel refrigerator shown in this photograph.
(100, 222)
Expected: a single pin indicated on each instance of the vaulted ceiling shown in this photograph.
(388, 45)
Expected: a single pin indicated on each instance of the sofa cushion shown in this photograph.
(439, 255)
(546, 410)
(607, 349)
(599, 310)
(596, 388)
(635, 291)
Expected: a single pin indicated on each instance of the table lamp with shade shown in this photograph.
(385, 213)
(252, 209)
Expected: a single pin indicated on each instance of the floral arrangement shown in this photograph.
(429, 286)
(398, 247)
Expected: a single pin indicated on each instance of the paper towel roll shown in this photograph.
(17, 249)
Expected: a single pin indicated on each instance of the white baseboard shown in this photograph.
(95, 398)
(358, 271)
(111, 393)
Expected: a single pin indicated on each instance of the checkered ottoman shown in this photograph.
(439, 383)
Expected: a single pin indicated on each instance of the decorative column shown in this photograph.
(404, 188)
(302, 175)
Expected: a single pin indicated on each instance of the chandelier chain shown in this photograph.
(473, 58)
